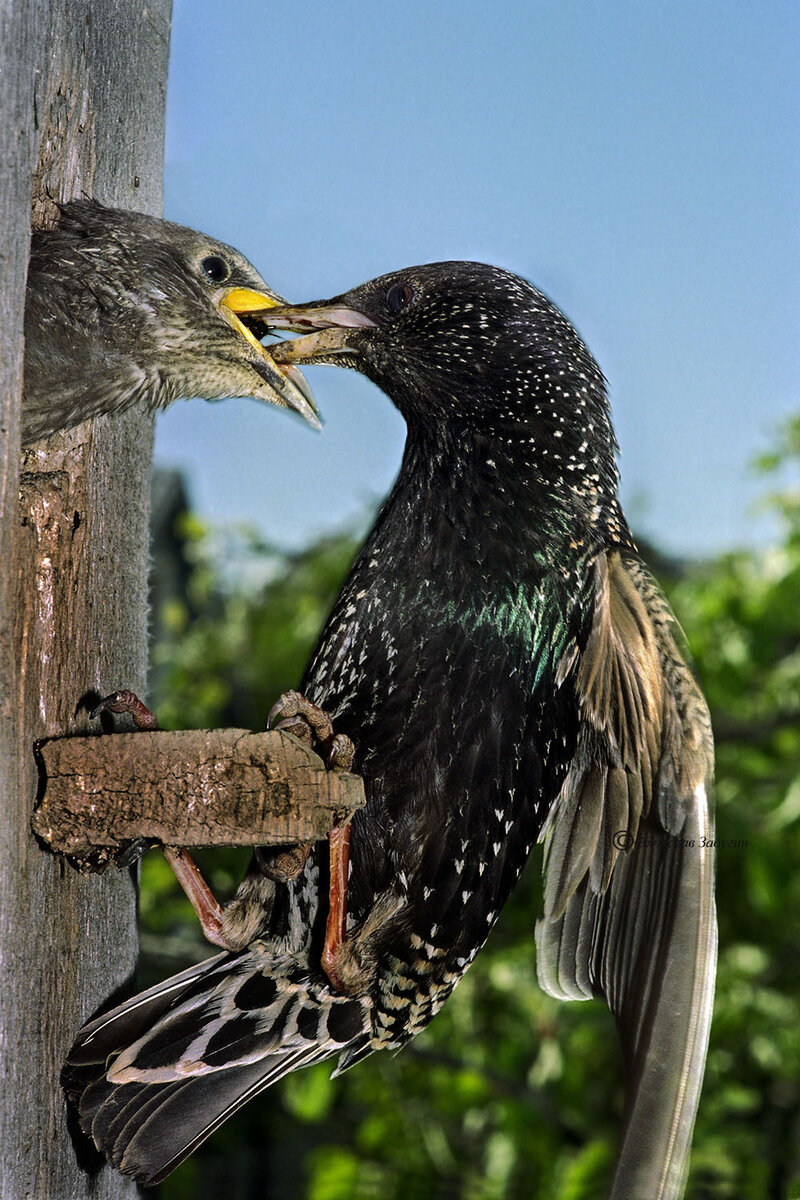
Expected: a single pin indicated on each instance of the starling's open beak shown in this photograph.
(285, 380)
(337, 329)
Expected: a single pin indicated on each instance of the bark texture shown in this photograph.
(193, 787)
(82, 88)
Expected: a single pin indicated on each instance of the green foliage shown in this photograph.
(233, 646)
(508, 1093)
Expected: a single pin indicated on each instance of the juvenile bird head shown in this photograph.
(123, 307)
(471, 349)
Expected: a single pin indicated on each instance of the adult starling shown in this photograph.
(124, 308)
(507, 670)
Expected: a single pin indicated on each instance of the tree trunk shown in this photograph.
(82, 89)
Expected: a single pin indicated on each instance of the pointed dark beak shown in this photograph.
(337, 329)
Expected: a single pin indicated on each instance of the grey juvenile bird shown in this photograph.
(122, 307)
(507, 670)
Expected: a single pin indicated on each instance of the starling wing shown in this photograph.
(629, 904)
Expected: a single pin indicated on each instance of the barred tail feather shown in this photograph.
(147, 1130)
(154, 1077)
(104, 1035)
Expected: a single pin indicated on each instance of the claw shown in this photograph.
(299, 728)
(307, 721)
(275, 710)
(127, 702)
(283, 864)
(294, 704)
(342, 753)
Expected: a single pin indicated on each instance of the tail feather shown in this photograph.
(121, 1025)
(155, 1076)
(147, 1130)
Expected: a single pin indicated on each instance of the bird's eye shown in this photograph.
(215, 268)
(399, 296)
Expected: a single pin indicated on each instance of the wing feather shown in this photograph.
(629, 906)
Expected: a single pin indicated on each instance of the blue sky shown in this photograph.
(639, 162)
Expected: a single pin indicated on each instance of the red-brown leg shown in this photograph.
(335, 929)
(187, 873)
(309, 722)
(203, 900)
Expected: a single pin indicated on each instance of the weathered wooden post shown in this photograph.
(82, 89)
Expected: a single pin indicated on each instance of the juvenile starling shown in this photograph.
(507, 670)
(123, 307)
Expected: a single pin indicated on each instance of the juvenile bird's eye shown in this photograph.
(215, 268)
(399, 296)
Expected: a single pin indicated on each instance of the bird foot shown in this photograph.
(297, 715)
(283, 863)
(127, 702)
(187, 873)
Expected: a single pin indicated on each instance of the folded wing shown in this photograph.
(629, 902)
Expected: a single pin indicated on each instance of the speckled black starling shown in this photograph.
(507, 670)
(124, 308)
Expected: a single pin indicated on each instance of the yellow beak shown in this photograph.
(244, 300)
(288, 384)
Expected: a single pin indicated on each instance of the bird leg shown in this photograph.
(336, 925)
(312, 725)
(187, 873)
(202, 899)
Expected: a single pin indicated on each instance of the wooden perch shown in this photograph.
(192, 787)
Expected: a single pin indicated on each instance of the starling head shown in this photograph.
(466, 346)
(123, 307)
